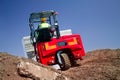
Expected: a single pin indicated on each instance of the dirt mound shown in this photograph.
(98, 65)
(8, 70)
(16, 68)
(101, 64)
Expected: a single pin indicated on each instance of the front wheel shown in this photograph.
(66, 64)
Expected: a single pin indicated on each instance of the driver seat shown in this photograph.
(44, 35)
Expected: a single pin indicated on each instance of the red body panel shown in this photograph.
(47, 50)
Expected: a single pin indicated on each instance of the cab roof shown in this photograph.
(35, 17)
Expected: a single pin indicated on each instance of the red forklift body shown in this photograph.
(49, 50)
(71, 43)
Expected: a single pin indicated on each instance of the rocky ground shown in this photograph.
(103, 64)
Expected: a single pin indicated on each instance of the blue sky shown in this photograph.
(97, 21)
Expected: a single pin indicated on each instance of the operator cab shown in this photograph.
(45, 34)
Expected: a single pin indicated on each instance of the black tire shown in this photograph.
(66, 64)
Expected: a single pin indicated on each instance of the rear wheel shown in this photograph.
(65, 61)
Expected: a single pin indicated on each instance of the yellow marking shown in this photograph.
(49, 47)
(73, 42)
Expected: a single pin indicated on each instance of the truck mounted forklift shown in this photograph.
(50, 47)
